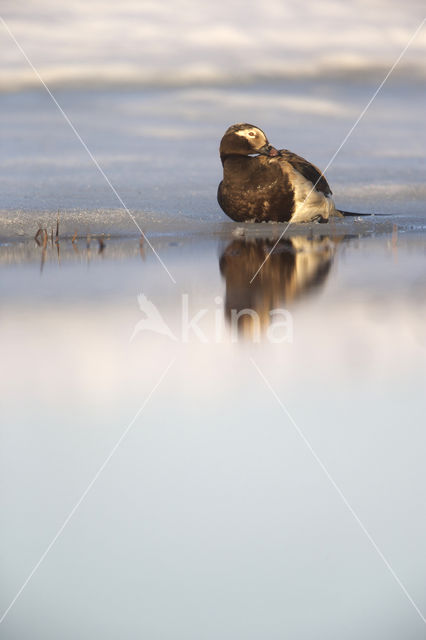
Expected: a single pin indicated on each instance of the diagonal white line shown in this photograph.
(92, 157)
(88, 488)
(345, 139)
(338, 490)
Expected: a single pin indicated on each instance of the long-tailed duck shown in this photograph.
(261, 183)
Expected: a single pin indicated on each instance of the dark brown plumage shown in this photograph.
(263, 184)
(253, 189)
(308, 170)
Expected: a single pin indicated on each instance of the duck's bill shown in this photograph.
(268, 150)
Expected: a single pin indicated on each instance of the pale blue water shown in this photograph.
(213, 518)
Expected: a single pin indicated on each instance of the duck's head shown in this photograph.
(244, 140)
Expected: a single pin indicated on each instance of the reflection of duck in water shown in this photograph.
(296, 267)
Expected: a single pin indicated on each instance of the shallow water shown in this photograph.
(213, 518)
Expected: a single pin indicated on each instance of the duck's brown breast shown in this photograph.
(255, 188)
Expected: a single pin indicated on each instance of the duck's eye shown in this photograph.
(251, 134)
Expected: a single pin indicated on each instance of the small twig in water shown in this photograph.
(36, 237)
(43, 250)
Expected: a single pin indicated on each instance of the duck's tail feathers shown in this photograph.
(351, 214)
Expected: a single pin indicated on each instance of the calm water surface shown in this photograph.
(214, 517)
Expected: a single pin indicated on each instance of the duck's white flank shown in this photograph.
(309, 203)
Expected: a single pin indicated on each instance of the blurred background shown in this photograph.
(180, 42)
(212, 520)
(148, 84)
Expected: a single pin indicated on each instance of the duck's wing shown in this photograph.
(308, 171)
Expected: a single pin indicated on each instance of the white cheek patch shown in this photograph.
(257, 139)
(244, 133)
